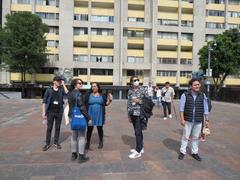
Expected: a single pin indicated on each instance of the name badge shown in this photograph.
(55, 102)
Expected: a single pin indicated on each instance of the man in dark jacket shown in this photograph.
(193, 110)
(52, 110)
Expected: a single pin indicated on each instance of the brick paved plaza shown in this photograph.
(22, 136)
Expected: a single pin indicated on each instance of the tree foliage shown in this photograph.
(225, 56)
(24, 43)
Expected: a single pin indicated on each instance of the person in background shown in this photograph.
(167, 94)
(150, 90)
(95, 103)
(136, 95)
(78, 140)
(193, 111)
(52, 110)
(159, 96)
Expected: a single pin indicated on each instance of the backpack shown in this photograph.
(79, 121)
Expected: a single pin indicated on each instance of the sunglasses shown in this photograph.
(135, 80)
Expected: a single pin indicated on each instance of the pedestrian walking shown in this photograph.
(159, 96)
(167, 94)
(136, 94)
(150, 90)
(193, 111)
(78, 141)
(95, 103)
(52, 110)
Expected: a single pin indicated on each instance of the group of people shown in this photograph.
(92, 106)
(193, 108)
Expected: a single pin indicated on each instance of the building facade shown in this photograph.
(107, 41)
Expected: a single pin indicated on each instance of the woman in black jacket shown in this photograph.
(78, 137)
(95, 102)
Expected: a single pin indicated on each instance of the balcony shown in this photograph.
(164, 15)
(168, 4)
(232, 81)
(163, 79)
(186, 43)
(167, 54)
(233, 7)
(168, 42)
(184, 80)
(102, 52)
(135, 13)
(77, 50)
(83, 77)
(216, 7)
(132, 40)
(78, 10)
(52, 36)
(47, 9)
(81, 38)
(99, 78)
(186, 55)
(21, 7)
(52, 50)
(39, 77)
(233, 20)
(102, 12)
(215, 19)
(135, 53)
(187, 5)
(187, 17)
(136, 2)
(103, 1)
(102, 39)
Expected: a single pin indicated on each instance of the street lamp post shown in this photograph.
(209, 74)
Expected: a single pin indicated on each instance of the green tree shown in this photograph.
(24, 44)
(225, 57)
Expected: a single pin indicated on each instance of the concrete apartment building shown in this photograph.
(107, 41)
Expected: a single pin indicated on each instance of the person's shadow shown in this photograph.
(129, 140)
(172, 144)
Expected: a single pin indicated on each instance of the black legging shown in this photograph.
(90, 130)
(166, 105)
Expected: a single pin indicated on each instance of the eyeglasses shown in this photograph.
(135, 80)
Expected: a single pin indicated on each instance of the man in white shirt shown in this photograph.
(150, 90)
(167, 96)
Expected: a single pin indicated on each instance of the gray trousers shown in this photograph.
(78, 142)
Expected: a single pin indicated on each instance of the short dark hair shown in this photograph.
(75, 81)
(57, 78)
(98, 86)
(167, 82)
(131, 79)
(193, 80)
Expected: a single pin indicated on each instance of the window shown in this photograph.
(53, 57)
(190, 1)
(137, 34)
(234, 2)
(167, 73)
(53, 29)
(209, 37)
(49, 70)
(21, 1)
(80, 31)
(167, 22)
(186, 36)
(167, 60)
(167, 35)
(187, 23)
(107, 59)
(48, 15)
(215, 1)
(135, 19)
(102, 32)
(102, 18)
(131, 59)
(234, 26)
(48, 2)
(185, 73)
(79, 71)
(186, 61)
(52, 43)
(80, 58)
(215, 13)
(215, 25)
(102, 72)
(81, 17)
(135, 72)
(233, 14)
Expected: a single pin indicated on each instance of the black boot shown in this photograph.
(82, 158)
(100, 146)
(74, 156)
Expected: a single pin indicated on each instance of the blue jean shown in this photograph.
(159, 101)
(136, 121)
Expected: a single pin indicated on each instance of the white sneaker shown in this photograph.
(135, 155)
(164, 118)
(170, 116)
(134, 150)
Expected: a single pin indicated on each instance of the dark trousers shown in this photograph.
(51, 117)
(136, 121)
(90, 130)
(166, 105)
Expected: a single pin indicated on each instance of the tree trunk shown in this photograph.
(23, 84)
